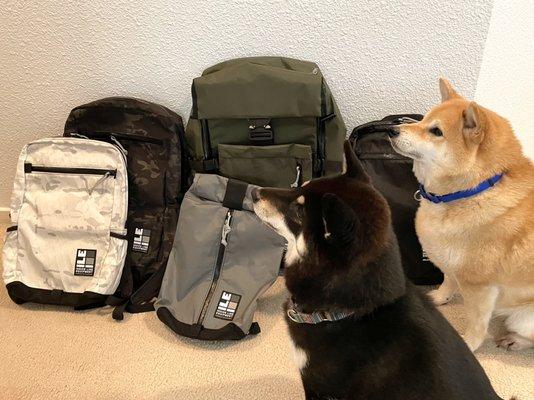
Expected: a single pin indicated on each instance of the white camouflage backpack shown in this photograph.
(67, 242)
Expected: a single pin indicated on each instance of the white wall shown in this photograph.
(506, 80)
(379, 56)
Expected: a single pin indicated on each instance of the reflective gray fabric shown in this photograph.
(249, 262)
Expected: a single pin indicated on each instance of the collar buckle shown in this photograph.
(293, 315)
(315, 317)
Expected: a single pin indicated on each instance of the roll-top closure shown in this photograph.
(216, 188)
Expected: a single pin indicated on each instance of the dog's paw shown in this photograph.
(473, 342)
(513, 342)
(439, 297)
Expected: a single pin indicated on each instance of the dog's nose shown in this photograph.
(255, 194)
(393, 131)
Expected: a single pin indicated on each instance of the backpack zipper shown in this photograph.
(297, 179)
(98, 182)
(29, 168)
(382, 156)
(129, 136)
(119, 145)
(220, 256)
(73, 134)
(321, 144)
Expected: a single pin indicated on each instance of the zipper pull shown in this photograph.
(226, 228)
(297, 180)
(119, 145)
(406, 120)
(74, 134)
(98, 182)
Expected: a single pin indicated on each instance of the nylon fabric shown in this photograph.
(65, 220)
(272, 166)
(152, 137)
(289, 97)
(392, 175)
(195, 285)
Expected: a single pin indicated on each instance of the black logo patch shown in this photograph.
(141, 240)
(85, 262)
(227, 306)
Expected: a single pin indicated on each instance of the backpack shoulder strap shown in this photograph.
(141, 300)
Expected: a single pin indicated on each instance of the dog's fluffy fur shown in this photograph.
(484, 243)
(343, 255)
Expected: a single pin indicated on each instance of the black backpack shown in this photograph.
(151, 136)
(392, 175)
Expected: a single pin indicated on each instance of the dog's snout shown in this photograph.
(255, 193)
(393, 131)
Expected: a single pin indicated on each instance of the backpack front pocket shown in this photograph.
(72, 261)
(282, 166)
(64, 240)
(61, 198)
(146, 231)
(146, 165)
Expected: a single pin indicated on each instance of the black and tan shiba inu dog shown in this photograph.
(360, 330)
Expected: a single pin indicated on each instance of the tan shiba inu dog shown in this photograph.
(483, 242)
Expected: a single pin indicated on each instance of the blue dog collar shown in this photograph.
(462, 194)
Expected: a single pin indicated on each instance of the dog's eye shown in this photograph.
(436, 131)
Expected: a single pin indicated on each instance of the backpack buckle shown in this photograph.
(260, 132)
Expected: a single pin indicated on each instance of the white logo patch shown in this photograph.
(141, 240)
(227, 306)
(85, 262)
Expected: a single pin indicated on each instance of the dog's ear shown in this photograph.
(447, 92)
(474, 123)
(340, 221)
(354, 166)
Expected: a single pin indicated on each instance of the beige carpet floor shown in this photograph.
(54, 353)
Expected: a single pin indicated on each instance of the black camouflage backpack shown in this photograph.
(151, 136)
(269, 121)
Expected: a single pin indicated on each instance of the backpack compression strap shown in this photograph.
(141, 300)
(235, 194)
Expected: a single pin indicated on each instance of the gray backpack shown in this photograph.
(223, 258)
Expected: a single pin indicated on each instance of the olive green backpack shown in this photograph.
(269, 121)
